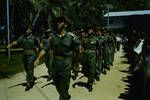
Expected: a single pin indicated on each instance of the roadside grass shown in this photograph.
(12, 66)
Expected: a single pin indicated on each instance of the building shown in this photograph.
(138, 20)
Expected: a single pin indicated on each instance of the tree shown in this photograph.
(80, 12)
(85, 12)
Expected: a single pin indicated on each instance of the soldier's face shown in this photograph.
(60, 25)
(28, 31)
(90, 31)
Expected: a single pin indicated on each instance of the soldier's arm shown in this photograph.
(41, 54)
(19, 40)
(77, 51)
(43, 51)
(12, 44)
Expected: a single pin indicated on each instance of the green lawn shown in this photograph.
(12, 66)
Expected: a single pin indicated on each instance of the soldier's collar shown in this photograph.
(29, 36)
(62, 35)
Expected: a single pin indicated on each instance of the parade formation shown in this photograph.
(89, 50)
(63, 51)
(74, 37)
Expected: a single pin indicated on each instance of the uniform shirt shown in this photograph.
(63, 46)
(28, 43)
(90, 43)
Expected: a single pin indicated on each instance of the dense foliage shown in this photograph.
(80, 12)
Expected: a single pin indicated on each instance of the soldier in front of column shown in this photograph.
(63, 45)
(30, 45)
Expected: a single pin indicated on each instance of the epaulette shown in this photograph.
(73, 35)
(70, 33)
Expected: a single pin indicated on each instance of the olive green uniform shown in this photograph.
(48, 57)
(99, 56)
(112, 47)
(106, 52)
(29, 44)
(62, 48)
(90, 45)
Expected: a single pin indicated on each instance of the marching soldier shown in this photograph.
(112, 47)
(100, 55)
(106, 49)
(90, 45)
(29, 44)
(62, 44)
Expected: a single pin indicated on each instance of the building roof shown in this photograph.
(127, 13)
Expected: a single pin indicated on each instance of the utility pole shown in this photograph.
(8, 29)
(108, 6)
(108, 16)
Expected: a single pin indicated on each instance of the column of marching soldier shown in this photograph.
(63, 52)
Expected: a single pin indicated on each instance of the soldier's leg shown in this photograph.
(111, 56)
(29, 69)
(62, 79)
(98, 69)
(84, 63)
(48, 62)
(106, 63)
(63, 87)
(106, 59)
(91, 74)
(118, 46)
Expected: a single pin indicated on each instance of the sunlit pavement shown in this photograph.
(110, 86)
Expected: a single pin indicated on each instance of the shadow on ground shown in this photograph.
(134, 80)
(80, 84)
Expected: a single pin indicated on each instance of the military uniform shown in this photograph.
(29, 43)
(48, 58)
(90, 45)
(112, 47)
(99, 57)
(62, 48)
(106, 52)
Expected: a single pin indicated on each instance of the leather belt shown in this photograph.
(59, 57)
(92, 51)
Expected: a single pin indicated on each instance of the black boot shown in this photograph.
(29, 86)
(35, 78)
(74, 75)
(108, 67)
(97, 78)
(104, 72)
(49, 78)
(90, 88)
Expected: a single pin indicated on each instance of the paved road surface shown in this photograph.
(110, 87)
